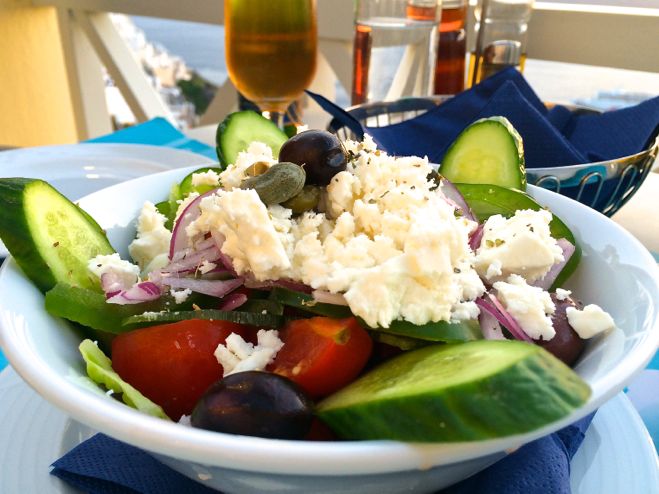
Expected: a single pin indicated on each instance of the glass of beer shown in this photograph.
(271, 51)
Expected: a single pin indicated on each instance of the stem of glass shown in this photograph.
(275, 116)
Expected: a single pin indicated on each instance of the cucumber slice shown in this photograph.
(306, 302)
(249, 318)
(489, 151)
(165, 208)
(442, 331)
(263, 306)
(433, 331)
(467, 392)
(51, 238)
(241, 128)
(487, 200)
(185, 187)
(402, 342)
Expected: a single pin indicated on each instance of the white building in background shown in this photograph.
(163, 71)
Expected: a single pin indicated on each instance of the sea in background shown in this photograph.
(201, 46)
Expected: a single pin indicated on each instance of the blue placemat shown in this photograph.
(158, 132)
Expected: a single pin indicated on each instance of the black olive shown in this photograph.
(566, 345)
(255, 403)
(320, 153)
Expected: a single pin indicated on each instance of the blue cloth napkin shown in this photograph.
(102, 465)
(158, 132)
(555, 137)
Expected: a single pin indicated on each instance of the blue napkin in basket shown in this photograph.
(102, 465)
(555, 137)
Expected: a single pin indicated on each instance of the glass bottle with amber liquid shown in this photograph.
(502, 27)
(452, 48)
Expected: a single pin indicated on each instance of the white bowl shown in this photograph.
(616, 272)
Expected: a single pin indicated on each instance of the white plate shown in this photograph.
(80, 169)
(616, 457)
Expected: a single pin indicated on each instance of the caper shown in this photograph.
(306, 200)
(278, 184)
(256, 169)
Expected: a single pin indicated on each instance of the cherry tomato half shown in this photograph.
(321, 354)
(173, 364)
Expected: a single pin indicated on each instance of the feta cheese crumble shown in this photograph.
(151, 246)
(206, 267)
(519, 245)
(562, 294)
(209, 177)
(529, 305)
(180, 296)
(388, 241)
(234, 174)
(590, 321)
(238, 355)
(124, 274)
(184, 203)
(251, 239)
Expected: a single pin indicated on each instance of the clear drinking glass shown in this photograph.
(271, 50)
(394, 49)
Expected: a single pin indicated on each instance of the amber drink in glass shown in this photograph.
(271, 50)
(452, 48)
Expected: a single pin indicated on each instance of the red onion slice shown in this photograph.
(223, 258)
(204, 244)
(233, 301)
(476, 237)
(548, 280)
(486, 306)
(325, 297)
(189, 260)
(511, 324)
(214, 288)
(180, 239)
(490, 326)
(452, 193)
(112, 283)
(144, 291)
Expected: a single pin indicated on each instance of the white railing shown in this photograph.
(594, 35)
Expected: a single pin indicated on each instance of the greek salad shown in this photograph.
(308, 288)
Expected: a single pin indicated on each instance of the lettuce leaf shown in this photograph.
(99, 370)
